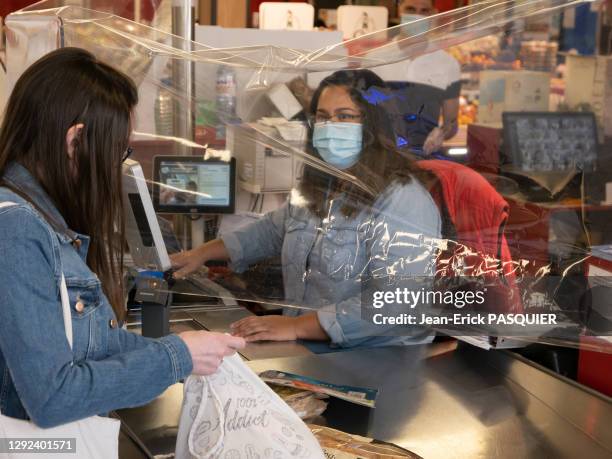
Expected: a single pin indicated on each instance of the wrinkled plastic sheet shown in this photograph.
(486, 245)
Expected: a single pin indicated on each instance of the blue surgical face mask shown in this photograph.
(414, 29)
(339, 144)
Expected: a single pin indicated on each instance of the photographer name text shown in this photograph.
(465, 319)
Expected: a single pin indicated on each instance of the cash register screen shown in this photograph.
(191, 184)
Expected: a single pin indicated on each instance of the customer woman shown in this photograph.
(62, 142)
(340, 240)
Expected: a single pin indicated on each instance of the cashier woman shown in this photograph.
(64, 136)
(332, 234)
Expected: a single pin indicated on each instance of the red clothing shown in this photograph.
(8, 6)
(478, 213)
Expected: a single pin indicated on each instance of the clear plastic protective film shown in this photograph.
(443, 175)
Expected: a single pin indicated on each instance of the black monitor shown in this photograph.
(550, 141)
(194, 185)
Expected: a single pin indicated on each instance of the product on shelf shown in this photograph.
(477, 54)
(540, 56)
(467, 111)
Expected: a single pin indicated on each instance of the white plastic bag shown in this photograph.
(234, 415)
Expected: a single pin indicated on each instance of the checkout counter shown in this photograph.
(438, 400)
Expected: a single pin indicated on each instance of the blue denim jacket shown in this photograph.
(42, 378)
(325, 261)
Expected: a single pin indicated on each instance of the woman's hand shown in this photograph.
(266, 328)
(434, 141)
(187, 262)
(280, 328)
(207, 349)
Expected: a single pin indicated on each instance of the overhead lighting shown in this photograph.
(457, 151)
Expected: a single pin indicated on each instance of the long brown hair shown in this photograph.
(380, 162)
(62, 89)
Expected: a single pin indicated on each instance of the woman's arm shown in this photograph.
(242, 247)
(52, 387)
(309, 327)
(207, 349)
(449, 128)
(190, 261)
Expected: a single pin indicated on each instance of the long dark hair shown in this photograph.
(380, 162)
(62, 89)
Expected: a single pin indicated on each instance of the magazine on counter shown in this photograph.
(358, 395)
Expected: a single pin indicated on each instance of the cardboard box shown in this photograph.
(588, 80)
(512, 91)
(226, 13)
(286, 16)
(355, 20)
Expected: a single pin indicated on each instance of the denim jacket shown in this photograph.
(42, 378)
(325, 261)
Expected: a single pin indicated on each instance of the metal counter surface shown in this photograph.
(220, 321)
(467, 403)
(437, 401)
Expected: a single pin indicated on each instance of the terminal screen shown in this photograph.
(194, 184)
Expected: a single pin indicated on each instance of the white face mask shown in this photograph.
(339, 144)
(409, 17)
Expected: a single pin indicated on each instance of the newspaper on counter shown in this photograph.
(305, 403)
(340, 445)
(358, 395)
